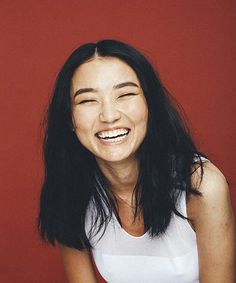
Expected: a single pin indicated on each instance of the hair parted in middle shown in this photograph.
(167, 157)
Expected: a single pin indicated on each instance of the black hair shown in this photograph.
(73, 179)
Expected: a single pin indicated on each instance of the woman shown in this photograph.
(124, 180)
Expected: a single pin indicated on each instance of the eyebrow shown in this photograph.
(83, 90)
(125, 84)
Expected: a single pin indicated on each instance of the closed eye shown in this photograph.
(127, 94)
(87, 101)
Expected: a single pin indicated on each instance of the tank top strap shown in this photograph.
(181, 205)
(197, 157)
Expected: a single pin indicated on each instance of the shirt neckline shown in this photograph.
(125, 232)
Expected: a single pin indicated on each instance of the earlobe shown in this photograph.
(72, 125)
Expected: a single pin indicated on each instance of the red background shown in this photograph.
(193, 44)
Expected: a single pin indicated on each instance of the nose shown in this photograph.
(109, 113)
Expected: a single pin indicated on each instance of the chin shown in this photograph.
(116, 158)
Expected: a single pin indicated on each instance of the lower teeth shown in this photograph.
(107, 138)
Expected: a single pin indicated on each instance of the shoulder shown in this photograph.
(212, 210)
(214, 191)
(213, 184)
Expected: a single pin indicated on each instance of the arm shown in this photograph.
(214, 224)
(78, 265)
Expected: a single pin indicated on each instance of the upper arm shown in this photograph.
(78, 265)
(213, 220)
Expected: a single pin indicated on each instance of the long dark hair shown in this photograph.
(73, 179)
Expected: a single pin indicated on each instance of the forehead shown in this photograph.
(103, 72)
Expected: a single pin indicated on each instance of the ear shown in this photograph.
(72, 124)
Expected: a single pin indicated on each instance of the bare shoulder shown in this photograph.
(213, 179)
(214, 189)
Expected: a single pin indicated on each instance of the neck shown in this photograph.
(121, 175)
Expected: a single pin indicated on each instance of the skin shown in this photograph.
(214, 224)
(107, 107)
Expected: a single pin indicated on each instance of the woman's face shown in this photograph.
(109, 109)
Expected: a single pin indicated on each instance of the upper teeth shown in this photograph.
(111, 134)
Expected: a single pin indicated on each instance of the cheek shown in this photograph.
(83, 120)
(138, 112)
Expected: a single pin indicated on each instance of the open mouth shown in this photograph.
(114, 135)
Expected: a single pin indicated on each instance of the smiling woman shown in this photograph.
(125, 183)
(110, 117)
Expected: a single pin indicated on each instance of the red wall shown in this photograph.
(193, 44)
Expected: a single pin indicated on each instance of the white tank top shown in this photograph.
(170, 258)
